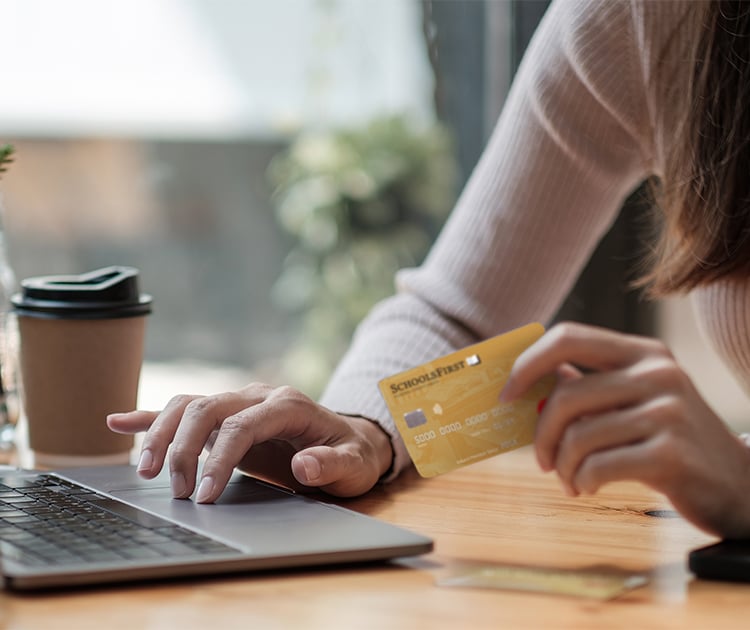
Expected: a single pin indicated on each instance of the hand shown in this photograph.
(274, 433)
(634, 414)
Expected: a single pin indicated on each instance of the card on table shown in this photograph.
(591, 583)
(448, 411)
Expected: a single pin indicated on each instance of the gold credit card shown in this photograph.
(448, 412)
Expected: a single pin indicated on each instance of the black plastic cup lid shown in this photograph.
(103, 293)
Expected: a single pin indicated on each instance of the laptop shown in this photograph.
(106, 524)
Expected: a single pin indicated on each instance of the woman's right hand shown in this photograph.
(275, 433)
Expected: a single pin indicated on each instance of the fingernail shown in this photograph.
(569, 490)
(177, 480)
(540, 405)
(205, 489)
(543, 463)
(146, 461)
(311, 466)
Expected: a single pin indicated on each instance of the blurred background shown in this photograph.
(268, 166)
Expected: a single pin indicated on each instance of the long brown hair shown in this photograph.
(704, 197)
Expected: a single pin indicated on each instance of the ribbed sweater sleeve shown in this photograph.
(573, 140)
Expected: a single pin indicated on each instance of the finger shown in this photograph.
(339, 471)
(567, 372)
(211, 412)
(131, 421)
(211, 439)
(585, 346)
(633, 462)
(160, 434)
(597, 433)
(275, 418)
(592, 394)
(195, 429)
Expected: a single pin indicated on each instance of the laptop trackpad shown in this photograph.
(251, 515)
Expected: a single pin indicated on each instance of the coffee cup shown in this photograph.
(81, 351)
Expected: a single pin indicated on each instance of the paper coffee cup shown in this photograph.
(81, 351)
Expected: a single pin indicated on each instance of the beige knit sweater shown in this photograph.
(586, 121)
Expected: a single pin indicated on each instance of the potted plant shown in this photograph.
(360, 204)
(6, 157)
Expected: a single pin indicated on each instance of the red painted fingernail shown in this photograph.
(540, 405)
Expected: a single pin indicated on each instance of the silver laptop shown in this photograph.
(105, 524)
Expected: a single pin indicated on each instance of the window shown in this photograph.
(144, 130)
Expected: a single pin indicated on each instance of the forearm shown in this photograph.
(400, 333)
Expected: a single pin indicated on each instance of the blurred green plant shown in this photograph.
(6, 157)
(360, 204)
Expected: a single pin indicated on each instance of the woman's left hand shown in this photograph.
(623, 409)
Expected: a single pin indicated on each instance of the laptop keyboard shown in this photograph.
(46, 520)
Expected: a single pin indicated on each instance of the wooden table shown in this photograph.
(502, 510)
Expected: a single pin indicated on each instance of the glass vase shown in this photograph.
(9, 402)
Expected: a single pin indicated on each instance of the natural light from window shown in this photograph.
(199, 69)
